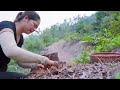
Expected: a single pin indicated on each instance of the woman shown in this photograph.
(11, 41)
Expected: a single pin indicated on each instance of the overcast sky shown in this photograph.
(48, 18)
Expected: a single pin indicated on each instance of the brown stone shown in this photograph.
(52, 56)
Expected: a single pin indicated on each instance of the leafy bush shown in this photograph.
(87, 38)
(83, 57)
(106, 41)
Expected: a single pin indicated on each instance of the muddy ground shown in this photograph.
(79, 71)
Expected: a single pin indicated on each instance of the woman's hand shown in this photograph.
(49, 62)
(54, 63)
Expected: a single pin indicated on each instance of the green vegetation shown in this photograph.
(117, 75)
(83, 57)
(13, 67)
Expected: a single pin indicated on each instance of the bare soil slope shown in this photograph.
(67, 51)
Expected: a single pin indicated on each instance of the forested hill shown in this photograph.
(101, 28)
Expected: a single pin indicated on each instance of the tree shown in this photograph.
(80, 26)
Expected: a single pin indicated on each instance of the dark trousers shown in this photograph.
(11, 75)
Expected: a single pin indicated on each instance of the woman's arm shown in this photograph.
(18, 54)
(30, 65)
